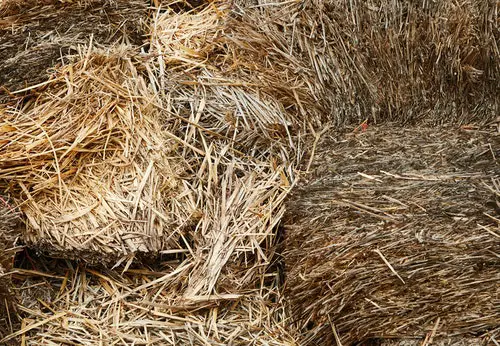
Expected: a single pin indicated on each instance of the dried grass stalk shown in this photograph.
(90, 164)
(396, 234)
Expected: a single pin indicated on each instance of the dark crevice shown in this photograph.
(180, 6)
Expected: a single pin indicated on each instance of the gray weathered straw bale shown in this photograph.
(396, 234)
(404, 61)
(35, 36)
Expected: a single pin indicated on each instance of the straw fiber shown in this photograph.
(9, 233)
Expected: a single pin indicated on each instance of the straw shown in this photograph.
(395, 235)
(35, 36)
(9, 233)
(90, 167)
(233, 138)
(145, 308)
(243, 116)
(424, 61)
(168, 171)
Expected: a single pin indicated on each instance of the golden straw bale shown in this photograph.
(91, 166)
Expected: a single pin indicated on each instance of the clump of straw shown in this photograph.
(234, 113)
(233, 99)
(90, 165)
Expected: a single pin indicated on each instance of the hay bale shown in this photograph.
(89, 164)
(405, 61)
(36, 36)
(396, 234)
(9, 233)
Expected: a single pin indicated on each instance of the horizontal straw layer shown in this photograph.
(396, 235)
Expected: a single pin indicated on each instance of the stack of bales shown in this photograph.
(396, 235)
(406, 62)
(185, 154)
(191, 150)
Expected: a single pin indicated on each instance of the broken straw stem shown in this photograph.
(389, 265)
